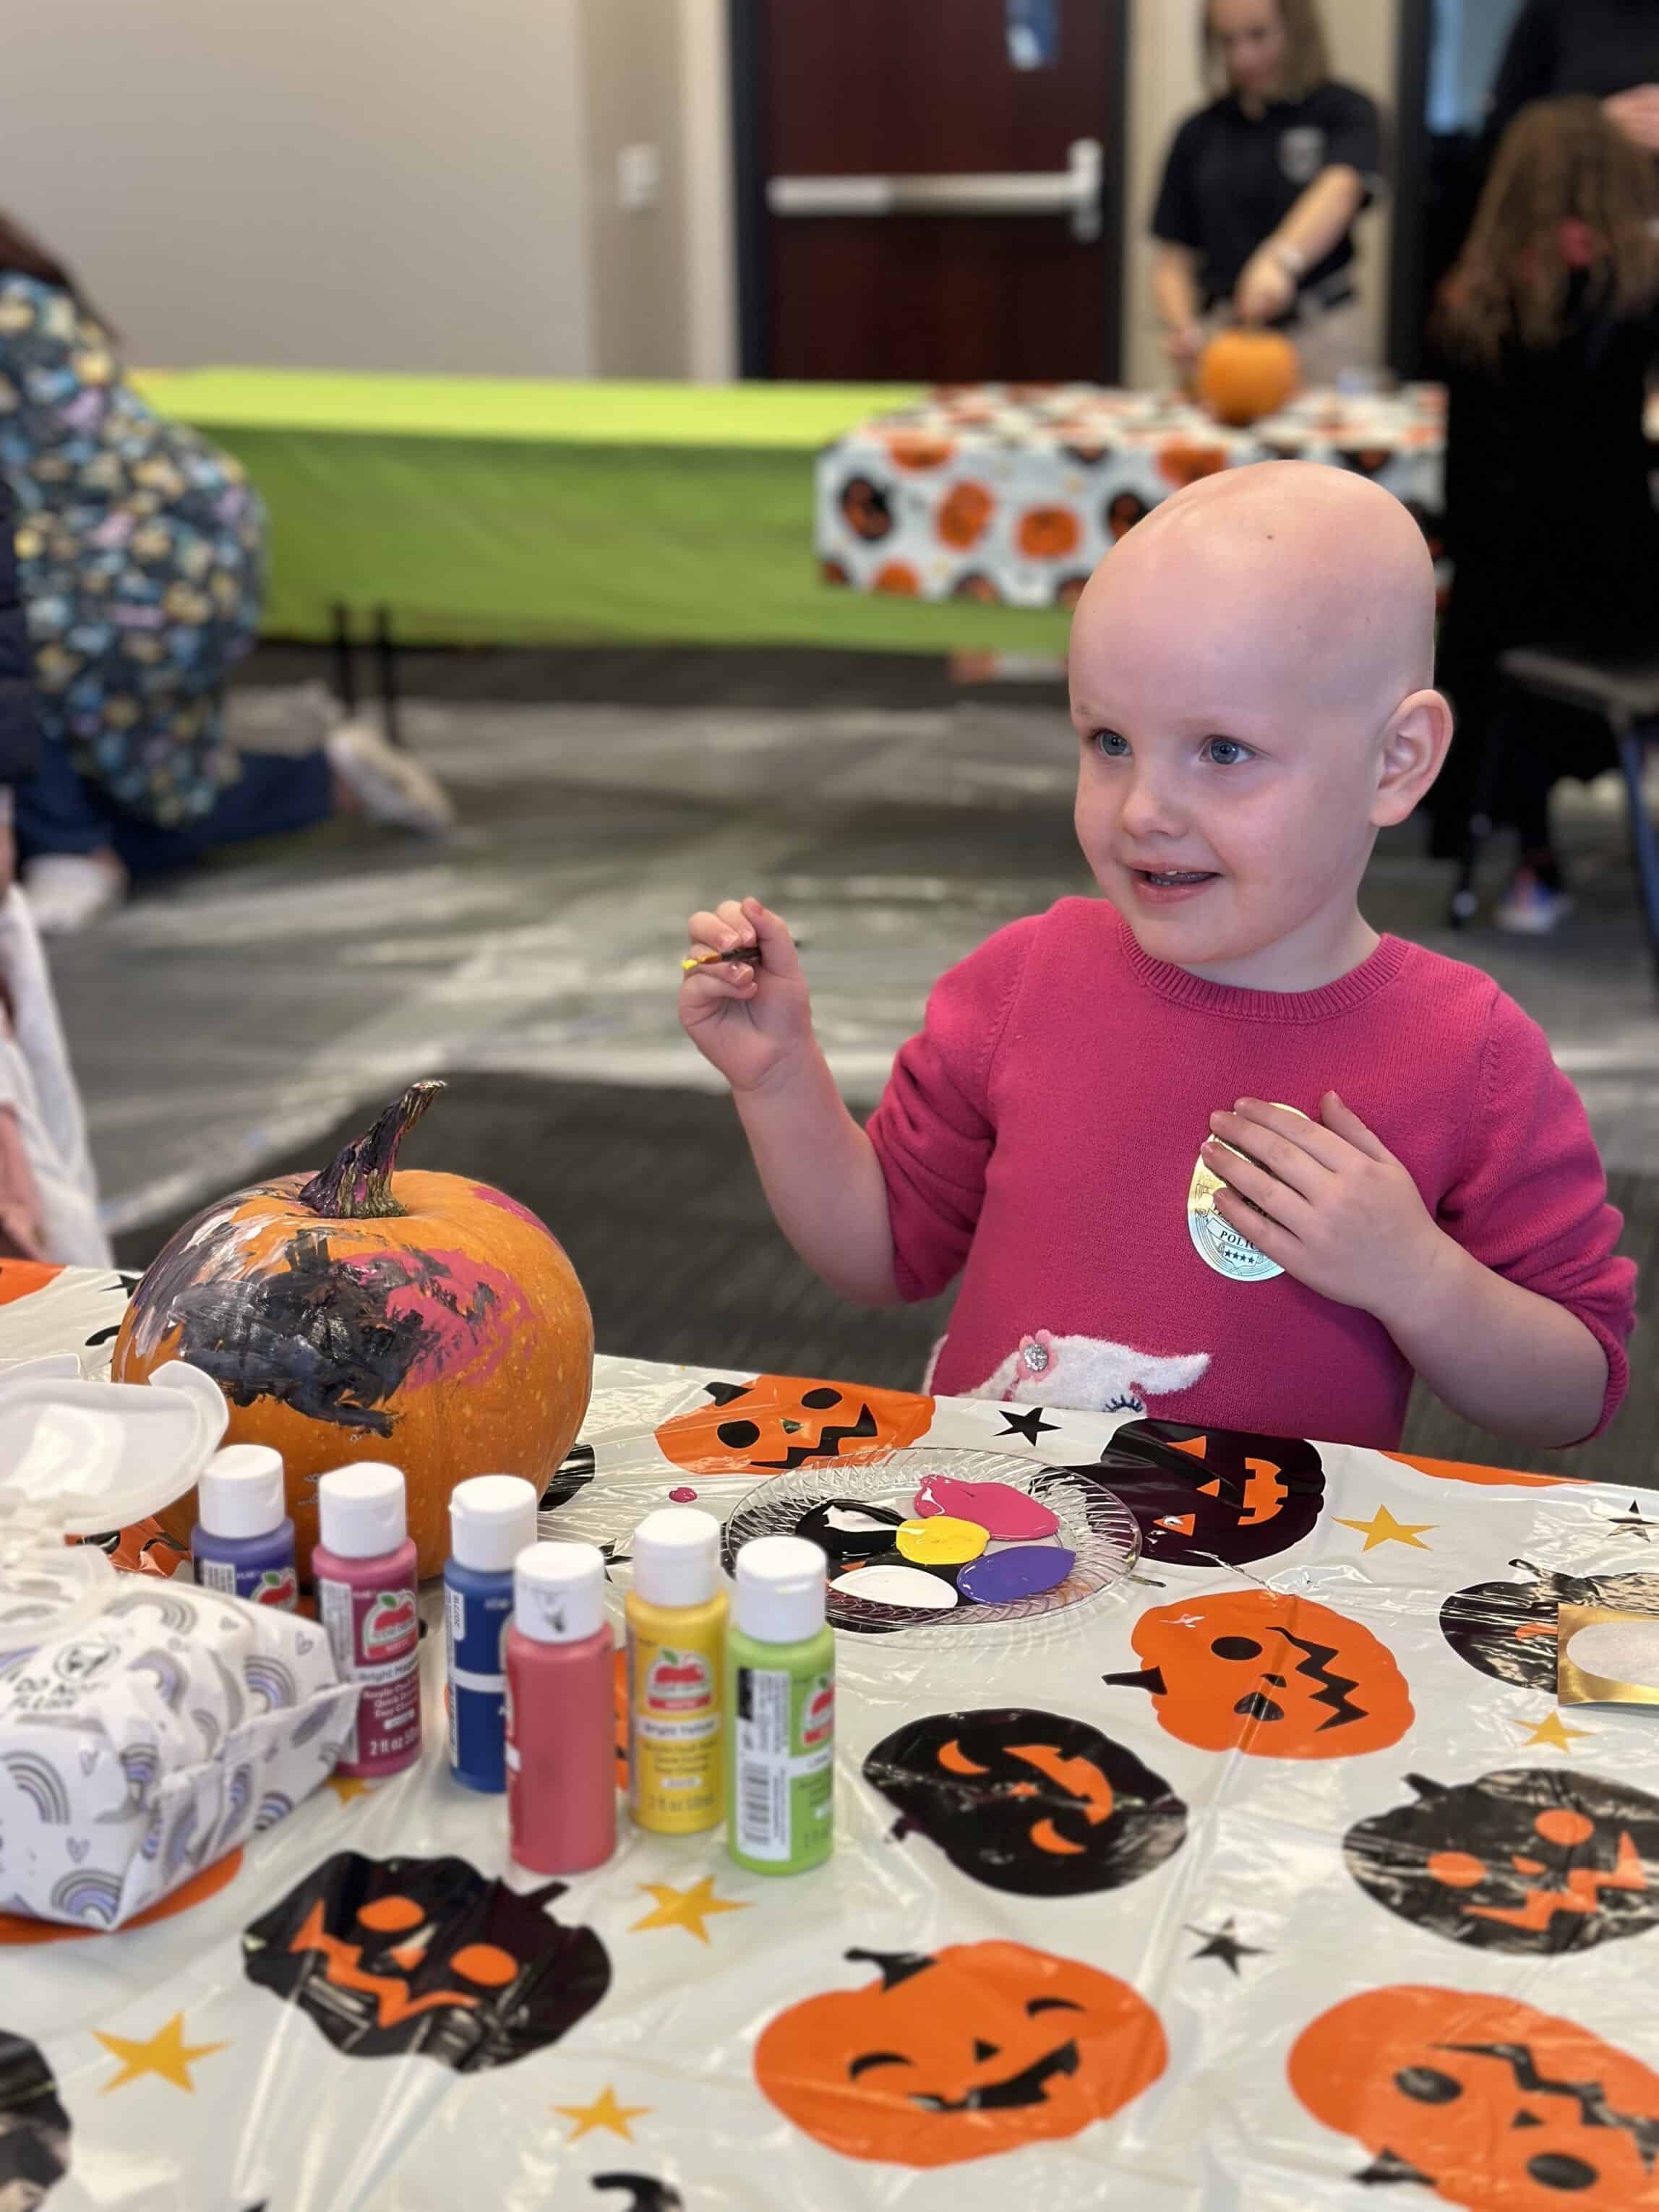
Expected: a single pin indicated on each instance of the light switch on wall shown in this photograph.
(639, 178)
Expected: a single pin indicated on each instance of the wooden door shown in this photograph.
(911, 90)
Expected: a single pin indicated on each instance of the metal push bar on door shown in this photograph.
(1074, 191)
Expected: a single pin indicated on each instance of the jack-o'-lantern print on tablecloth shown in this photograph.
(1028, 1802)
(1488, 2102)
(960, 2054)
(1508, 1629)
(1534, 1860)
(1204, 1495)
(778, 1423)
(1273, 1676)
(34, 2128)
(393, 1955)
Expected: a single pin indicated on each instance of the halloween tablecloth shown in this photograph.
(1270, 1876)
(1010, 493)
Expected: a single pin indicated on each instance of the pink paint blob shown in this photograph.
(1001, 1510)
(683, 1496)
(493, 1197)
(469, 1313)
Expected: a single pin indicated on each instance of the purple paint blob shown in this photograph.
(1026, 1571)
(997, 1507)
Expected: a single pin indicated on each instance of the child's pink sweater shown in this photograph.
(1040, 1136)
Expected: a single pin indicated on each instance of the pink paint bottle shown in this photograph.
(364, 1570)
(560, 1712)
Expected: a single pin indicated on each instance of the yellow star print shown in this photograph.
(603, 2113)
(347, 1786)
(1383, 1528)
(685, 1908)
(167, 2053)
(1554, 1732)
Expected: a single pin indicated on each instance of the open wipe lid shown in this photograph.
(85, 1457)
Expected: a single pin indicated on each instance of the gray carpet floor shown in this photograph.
(244, 1017)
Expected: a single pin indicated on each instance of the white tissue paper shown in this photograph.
(146, 1728)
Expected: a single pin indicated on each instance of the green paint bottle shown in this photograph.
(781, 1709)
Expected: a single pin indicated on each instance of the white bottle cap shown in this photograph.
(491, 1519)
(780, 1589)
(558, 1592)
(240, 1492)
(677, 1557)
(360, 1509)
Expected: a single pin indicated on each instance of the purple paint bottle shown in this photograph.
(243, 1539)
(364, 1570)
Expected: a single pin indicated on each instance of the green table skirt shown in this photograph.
(481, 511)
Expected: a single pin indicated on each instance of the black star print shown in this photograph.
(1221, 1943)
(1636, 1520)
(1030, 1426)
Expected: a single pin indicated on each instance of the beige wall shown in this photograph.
(1165, 86)
(632, 97)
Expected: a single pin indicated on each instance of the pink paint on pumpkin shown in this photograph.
(469, 1313)
(1001, 1510)
(491, 1196)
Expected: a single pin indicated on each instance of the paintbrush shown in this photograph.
(752, 953)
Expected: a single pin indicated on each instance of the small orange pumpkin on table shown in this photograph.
(371, 1312)
(1245, 374)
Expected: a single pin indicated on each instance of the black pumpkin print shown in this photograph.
(409, 1954)
(1200, 1495)
(1508, 1629)
(867, 508)
(1535, 1860)
(1029, 1801)
(35, 2128)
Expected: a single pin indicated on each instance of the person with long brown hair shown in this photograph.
(1549, 324)
(1262, 188)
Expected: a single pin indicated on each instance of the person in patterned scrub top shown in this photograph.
(140, 549)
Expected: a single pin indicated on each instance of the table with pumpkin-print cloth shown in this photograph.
(1264, 1877)
(1011, 494)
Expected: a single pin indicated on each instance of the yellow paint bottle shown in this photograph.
(676, 1638)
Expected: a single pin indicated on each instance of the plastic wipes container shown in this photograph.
(146, 1727)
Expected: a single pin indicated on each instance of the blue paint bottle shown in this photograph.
(243, 1541)
(492, 1518)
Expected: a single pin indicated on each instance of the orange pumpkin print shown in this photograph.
(978, 587)
(16, 1930)
(1274, 1677)
(779, 1422)
(966, 2053)
(919, 449)
(898, 579)
(1182, 462)
(1491, 2105)
(963, 515)
(1048, 534)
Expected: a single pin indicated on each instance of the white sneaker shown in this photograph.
(66, 891)
(1530, 909)
(390, 787)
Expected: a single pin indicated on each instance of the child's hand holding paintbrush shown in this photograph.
(743, 1000)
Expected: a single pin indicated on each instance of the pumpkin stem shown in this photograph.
(356, 1184)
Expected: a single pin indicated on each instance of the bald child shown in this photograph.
(1209, 1148)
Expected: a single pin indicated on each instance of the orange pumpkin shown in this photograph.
(1245, 374)
(898, 579)
(779, 1422)
(1276, 1677)
(1493, 2106)
(1048, 534)
(963, 514)
(369, 1314)
(977, 2050)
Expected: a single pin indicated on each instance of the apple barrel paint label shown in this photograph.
(674, 1716)
(784, 1742)
(273, 1586)
(374, 1635)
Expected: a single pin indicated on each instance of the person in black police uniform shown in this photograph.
(1608, 48)
(1261, 190)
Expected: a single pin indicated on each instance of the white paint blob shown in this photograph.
(1619, 1651)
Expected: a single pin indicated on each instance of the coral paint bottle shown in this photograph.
(561, 1711)
(364, 1570)
(675, 1649)
(243, 1541)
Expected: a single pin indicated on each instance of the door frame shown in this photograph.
(748, 74)
(1407, 309)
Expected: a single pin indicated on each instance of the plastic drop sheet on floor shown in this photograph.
(1265, 1877)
